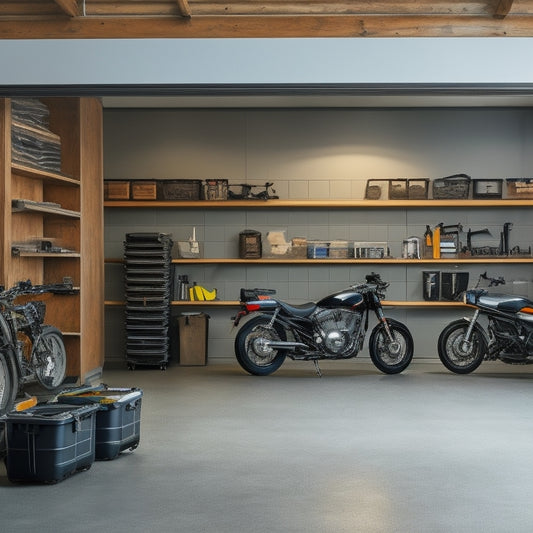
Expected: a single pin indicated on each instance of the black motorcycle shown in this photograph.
(464, 343)
(333, 328)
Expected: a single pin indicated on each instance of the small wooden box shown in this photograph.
(193, 333)
(116, 190)
(519, 188)
(144, 190)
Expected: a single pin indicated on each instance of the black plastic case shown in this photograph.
(49, 442)
(118, 419)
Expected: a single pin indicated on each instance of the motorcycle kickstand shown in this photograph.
(317, 368)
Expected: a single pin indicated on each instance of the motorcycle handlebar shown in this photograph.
(26, 287)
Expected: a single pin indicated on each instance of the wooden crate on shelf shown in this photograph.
(144, 190)
(116, 190)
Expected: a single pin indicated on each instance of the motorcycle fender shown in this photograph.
(254, 306)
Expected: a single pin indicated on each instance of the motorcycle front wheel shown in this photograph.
(391, 357)
(51, 361)
(455, 354)
(252, 353)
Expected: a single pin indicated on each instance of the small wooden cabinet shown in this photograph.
(76, 227)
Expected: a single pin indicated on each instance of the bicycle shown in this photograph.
(30, 351)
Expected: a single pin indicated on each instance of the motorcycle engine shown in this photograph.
(336, 331)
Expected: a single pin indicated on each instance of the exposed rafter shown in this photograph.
(502, 8)
(184, 7)
(69, 7)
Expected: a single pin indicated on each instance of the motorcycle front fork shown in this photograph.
(466, 340)
(383, 320)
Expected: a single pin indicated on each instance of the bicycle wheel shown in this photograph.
(51, 359)
(8, 383)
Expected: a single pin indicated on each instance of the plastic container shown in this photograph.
(50, 442)
(118, 417)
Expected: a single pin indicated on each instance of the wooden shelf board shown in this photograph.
(236, 303)
(46, 210)
(45, 175)
(350, 261)
(204, 204)
(46, 254)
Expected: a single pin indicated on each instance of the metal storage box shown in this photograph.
(317, 249)
(216, 189)
(178, 189)
(118, 419)
(370, 250)
(49, 442)
(456, 187)
(487, 188)
(417, 188)
(339, 250)
(250, 246)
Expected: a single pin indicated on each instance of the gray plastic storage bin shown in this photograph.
(49, 442)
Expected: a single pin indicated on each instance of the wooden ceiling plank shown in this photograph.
(265, 27)
(69, 7)
(502, 8)
(333, 7)
(184, 7)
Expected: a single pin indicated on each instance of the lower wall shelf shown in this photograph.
(235, 303)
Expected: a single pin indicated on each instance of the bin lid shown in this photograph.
(51, 414)
(102, 396)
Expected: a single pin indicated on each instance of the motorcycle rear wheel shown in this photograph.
(391, 357)
(252, 355)
(456, 357)
(50, 371)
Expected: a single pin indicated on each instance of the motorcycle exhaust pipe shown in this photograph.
(285, 345)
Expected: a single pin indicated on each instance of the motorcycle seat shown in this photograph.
(299, 310)
(504, 302)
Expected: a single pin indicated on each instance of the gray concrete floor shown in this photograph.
(353, 451)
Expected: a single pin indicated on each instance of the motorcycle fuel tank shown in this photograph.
(342, 299)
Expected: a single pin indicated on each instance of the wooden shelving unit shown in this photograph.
(240, 204)
(73, 218)
(329, 204)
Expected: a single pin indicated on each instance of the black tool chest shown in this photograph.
(147, 260)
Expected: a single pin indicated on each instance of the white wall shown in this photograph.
(265, 61)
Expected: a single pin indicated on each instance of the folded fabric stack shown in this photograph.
(32, 142)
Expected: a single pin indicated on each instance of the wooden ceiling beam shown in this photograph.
(502, 8)
(184, 7)
(265, 27)
(69, 7)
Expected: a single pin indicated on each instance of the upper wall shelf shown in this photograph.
(44, 175)
(348, 261)
(204, 204)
